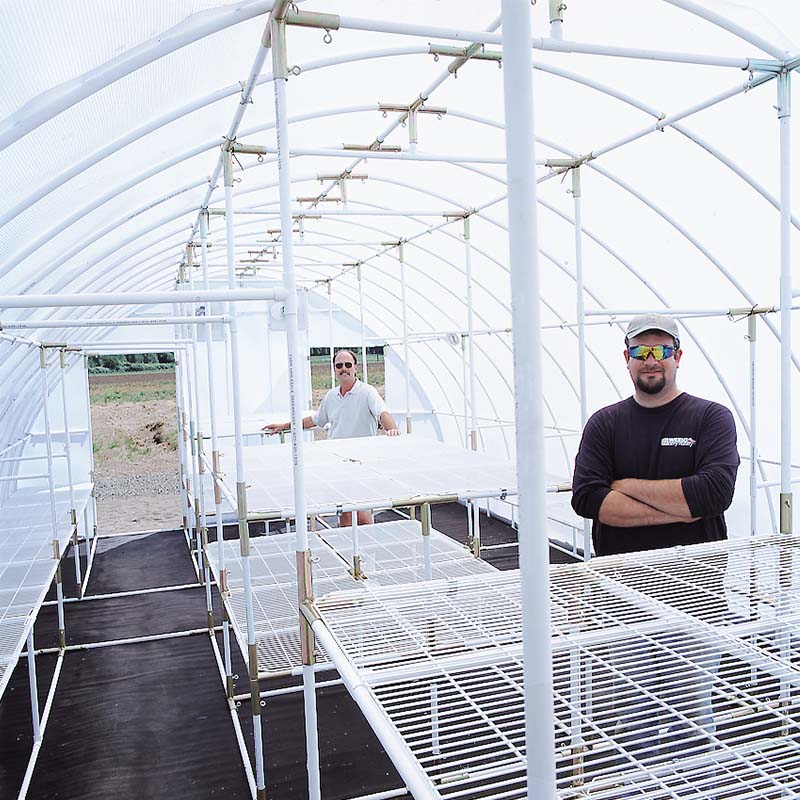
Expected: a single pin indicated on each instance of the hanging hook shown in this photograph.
(327, 38)
(295, 70)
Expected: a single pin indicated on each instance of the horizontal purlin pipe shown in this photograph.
(336, 22)
(136, 298)
(32, 324)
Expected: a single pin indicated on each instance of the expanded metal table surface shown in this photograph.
(676, 673)
(391, 553)
(27, 566)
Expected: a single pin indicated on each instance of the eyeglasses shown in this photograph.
(341, 364)
(659, 351)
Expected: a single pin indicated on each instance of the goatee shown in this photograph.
(651, 387)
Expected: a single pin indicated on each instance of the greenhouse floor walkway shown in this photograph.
(150, 719)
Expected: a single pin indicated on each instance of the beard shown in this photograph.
(651, 387)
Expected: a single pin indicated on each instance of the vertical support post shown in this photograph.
(199, 489)
(473, 425)
(357, 573)
(303, 554)
(181, 445)
(784, 117)
(557, 19)
(435, 746)
(62, 638)
(406, 353)
(241, 484)
(330, 328)
(425, 518)
(34, 686)
(752, 329)
(92, 500)
(523, 252)
(364, 375)
(475, 537)
(413, 134)
(581, 317)
(464, 383)
(215, 464)
(73, 514)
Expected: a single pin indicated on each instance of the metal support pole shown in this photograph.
(464, 383)
(475, 532)
(557, 19)
(473, 408)
(241, 487)
(73, 514)
(784, 117)
(425, 519)
(215, 463)
(752, 329)
(34, 687)
(330, 332)
(62, 638)
(364, 375)
(92, 500)
(357, 573)
(181, 445)
(303, 554)
(523, 252)
(192, 469)
(581, 318)
(202, 539)
(406, 354)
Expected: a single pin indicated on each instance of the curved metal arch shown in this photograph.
(52, 102)
(728, 25)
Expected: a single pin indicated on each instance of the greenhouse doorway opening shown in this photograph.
(135, 442)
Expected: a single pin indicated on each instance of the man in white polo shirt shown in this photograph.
(352, 409)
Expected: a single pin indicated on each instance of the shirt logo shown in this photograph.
(678, 441)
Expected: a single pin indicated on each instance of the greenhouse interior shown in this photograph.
(506, 568)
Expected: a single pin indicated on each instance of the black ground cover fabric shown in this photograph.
(135, 721)
(16, 728)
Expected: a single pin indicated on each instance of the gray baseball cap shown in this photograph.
(652, 322)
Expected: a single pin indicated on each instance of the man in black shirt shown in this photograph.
(657, 469)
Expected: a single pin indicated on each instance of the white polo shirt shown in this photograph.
(355, 414)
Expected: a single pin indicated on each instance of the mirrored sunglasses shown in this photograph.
(659, 351)
(341, 364)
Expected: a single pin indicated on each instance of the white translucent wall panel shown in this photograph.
(76, 384)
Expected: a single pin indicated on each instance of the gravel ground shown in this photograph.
(137, 485)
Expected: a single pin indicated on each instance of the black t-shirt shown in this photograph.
(688, 438)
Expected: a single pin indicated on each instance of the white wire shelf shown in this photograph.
(391, 554)
(27, 566)
(675, 673)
